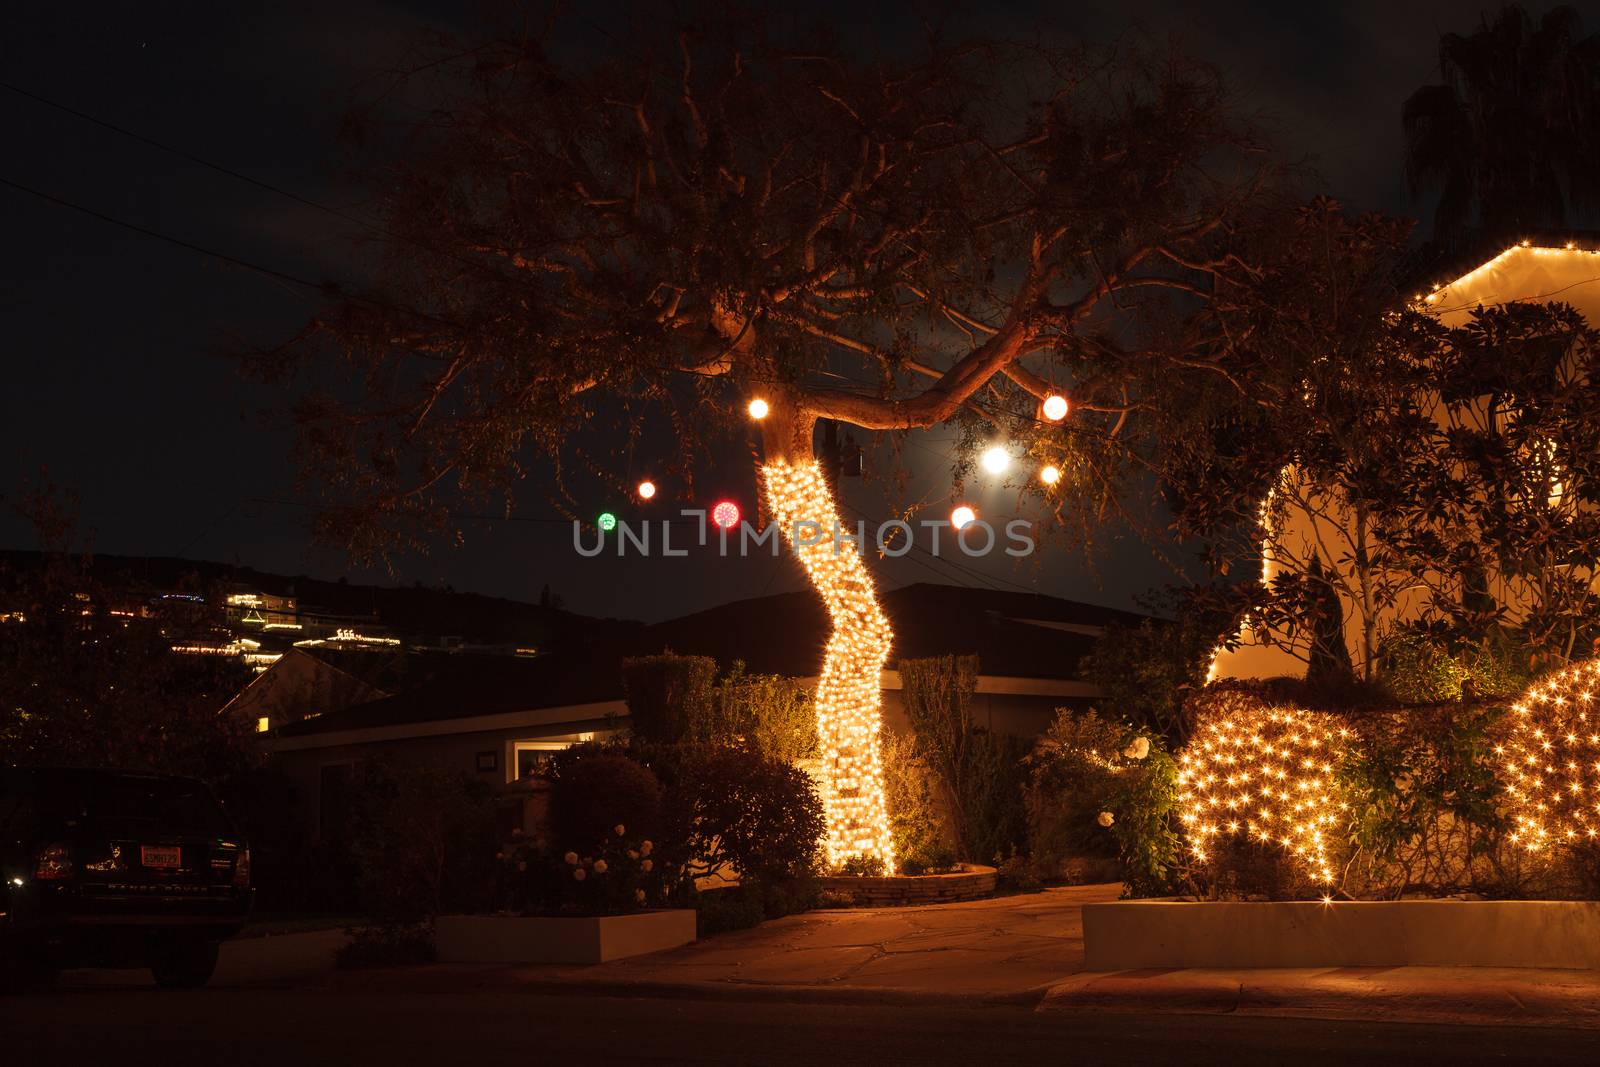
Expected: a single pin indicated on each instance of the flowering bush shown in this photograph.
(621, 876)
(593, 790)
(1101, 789)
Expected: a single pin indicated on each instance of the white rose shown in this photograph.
(620, 829)
(1138, 749)
(647, 866)
(599, 866)
(571, 858)
(579, 873)
(1106, 818)
(645, 848)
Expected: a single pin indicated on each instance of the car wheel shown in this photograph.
(185, 964)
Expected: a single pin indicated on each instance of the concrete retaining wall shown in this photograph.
(972, 882)
(538, 939)
(1420, 933)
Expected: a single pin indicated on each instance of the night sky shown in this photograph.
(118, 374)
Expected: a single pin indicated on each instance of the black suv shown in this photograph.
(114, 869)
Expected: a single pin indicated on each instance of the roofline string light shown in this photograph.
(849, 693)
(1438, 292)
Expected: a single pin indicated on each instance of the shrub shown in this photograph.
(1257, 781)
(1147, 671)
(668, 695)
(921, 839)
(593, 791)
(1549, 768)
(421, 843)
(734, 808)
(1069, 785)
(980, 773)
(733, 908)
(1423, 801)
(767, 712)
(1087, 770)
(1425, 663)
(387, 945)
(623, 874)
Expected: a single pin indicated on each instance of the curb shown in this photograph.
(1265, 994)
(437, 981)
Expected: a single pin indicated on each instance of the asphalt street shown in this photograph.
(246, 1027)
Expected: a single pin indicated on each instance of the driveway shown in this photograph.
(1004, 949)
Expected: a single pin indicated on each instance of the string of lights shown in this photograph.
(848, 696)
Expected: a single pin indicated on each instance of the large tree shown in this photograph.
(703, 215)
(1509, 139)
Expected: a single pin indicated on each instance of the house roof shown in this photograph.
(1026, 635)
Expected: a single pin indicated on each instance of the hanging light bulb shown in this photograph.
(758, 408)
(647, 489)
(725, 514)
(1050, 474)
(606, 521)
(962, 517)
(1055, 407)
(996, 459)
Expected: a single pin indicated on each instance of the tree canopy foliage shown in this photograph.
(1509, 139)
(709, 210)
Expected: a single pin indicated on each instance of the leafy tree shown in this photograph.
(84, 683)
(710, 211)
(1510, 137)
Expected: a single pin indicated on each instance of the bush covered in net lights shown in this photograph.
(1257, 780)
(1550, 764)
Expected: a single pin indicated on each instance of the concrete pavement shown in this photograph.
(1009, 949)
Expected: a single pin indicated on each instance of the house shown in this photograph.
(1317, 533)
(499, 716)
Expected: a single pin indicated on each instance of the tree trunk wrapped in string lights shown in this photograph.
(849, 695)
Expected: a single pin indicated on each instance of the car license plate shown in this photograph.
(168, 856)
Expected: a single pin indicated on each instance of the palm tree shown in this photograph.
(1510, 140)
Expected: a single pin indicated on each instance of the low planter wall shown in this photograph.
(579, 939)
(970, 883)
(1418, 933)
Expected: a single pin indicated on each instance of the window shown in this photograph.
(531, 757)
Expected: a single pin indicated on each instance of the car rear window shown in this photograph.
(130, 802)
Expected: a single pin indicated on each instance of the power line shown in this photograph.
(270, 272)
(190, 156)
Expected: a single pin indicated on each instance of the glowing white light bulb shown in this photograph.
(1055, 407)
(1050, 475)
(647, 489)
(996, 459)
(962, 517)
(758, 408)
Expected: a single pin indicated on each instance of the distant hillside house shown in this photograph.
(1318, 531)
(500, 716)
